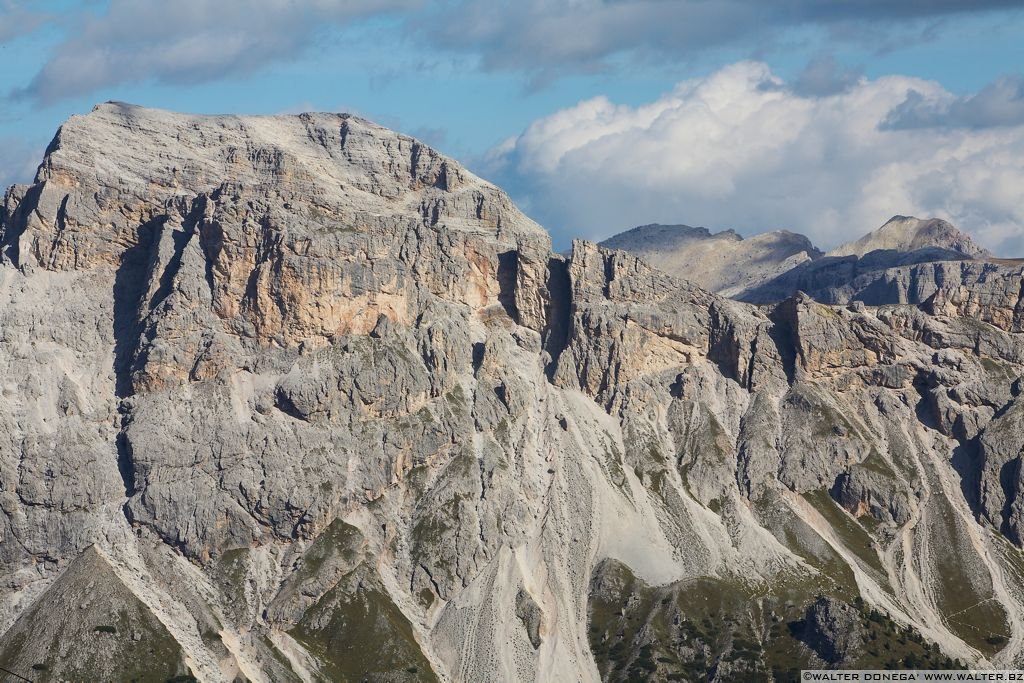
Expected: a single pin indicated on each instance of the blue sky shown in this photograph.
(820, 116)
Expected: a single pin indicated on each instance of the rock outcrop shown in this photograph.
(833, 630)
(301, 384)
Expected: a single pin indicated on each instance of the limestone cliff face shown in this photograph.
(304, 388)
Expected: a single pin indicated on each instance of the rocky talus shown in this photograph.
(300, 399)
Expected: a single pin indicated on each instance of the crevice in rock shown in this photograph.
(284, 403)
(442, 182)
(677, 387)
(751, 364)
(60, 224)
(414, 162)
(479, 350)
(508, 273)
(559, 312)
(431, 579)
(126, 462)
(5, 216)
(211, 242)
(502, 393)
(129, 290)
(609, 274)
(1018, 310)
(1009, 475)
(966, 462)
(723, 347)
(926, 408)
(344, 131)
(785, 336)
(269, 255)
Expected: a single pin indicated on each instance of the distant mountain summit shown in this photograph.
(724, 261)
(906, 233)
(906, 260)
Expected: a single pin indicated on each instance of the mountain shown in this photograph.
(906, 261)
(906, 233)
(722, 262)
(299, 398)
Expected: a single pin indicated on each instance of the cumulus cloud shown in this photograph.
(741, 148)
(824, 75)
(554, 35)
(187, 41)
(998, 104)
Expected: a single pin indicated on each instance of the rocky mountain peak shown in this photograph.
(906, 234)
(342, 168)
(298, 398)
(654, 236)
(723, 262)
(328, 155)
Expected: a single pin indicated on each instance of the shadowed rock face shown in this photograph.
(290, 381)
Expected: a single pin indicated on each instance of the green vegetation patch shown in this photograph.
(835, 575)
(850, 531)
(105, 634)
(358, 634)
(338, 539)
(964, 596)
(685, 631)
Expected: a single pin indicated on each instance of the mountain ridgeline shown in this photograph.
(298, 398)
(907, 260)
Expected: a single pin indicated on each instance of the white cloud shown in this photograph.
(998, 104)
(824, 75)
(187, 41)
(742, 149)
